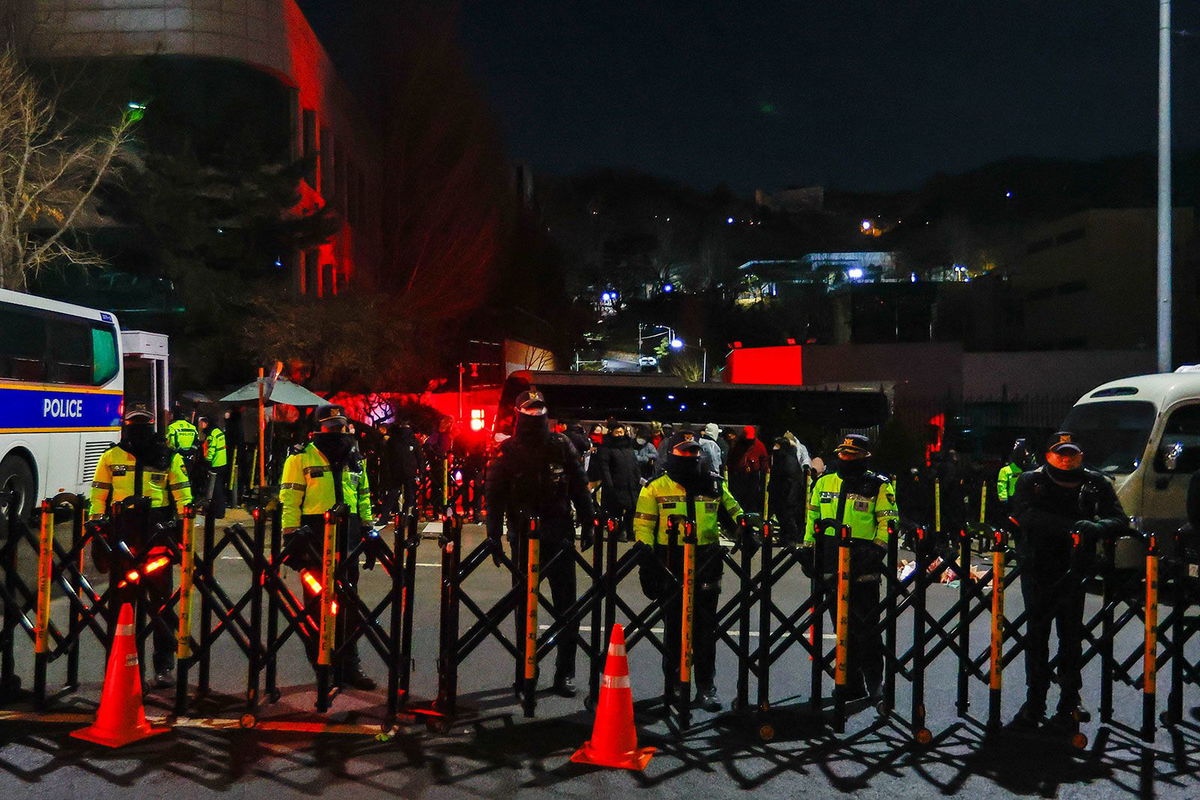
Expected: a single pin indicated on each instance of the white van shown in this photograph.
(1144, 433)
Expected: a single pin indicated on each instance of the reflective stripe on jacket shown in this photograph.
(307, 487)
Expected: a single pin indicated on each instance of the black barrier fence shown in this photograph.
(563, 597)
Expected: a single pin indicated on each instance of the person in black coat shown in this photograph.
(538, 473)
(786, 491)
(1050, 505)
(620, 479)
(404, 462)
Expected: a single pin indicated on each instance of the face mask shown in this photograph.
(1066, 477)
(335, 445)
(685, 470)
(532, 426)
(852, 467)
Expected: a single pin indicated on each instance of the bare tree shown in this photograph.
(49, 171)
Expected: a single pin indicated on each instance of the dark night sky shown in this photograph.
(853, 94)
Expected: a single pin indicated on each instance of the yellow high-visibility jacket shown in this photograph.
(116, 474)
(214, 448)
(307, 487)
(870, 506)
(663, 498)
(182, 435)
(1006, 482)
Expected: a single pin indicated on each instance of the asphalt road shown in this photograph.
(493, 750)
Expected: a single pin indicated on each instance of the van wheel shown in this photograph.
(16, 487)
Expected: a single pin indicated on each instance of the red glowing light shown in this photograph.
(310, 581)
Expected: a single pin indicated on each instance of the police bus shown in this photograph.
(61, 390)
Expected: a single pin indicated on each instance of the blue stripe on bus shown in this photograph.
(58, 409)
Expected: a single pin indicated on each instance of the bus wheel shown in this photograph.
(16, 486)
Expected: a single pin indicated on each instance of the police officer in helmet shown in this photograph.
(853, 496)
(538, 473)
(1051, 504)
(141, 465)
(687, 489)
(328, 471)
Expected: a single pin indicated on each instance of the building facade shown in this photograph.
(232, 43)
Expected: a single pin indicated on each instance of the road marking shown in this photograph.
(588, 629)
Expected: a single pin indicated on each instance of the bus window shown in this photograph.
(105, 358)
(23, 346)
(70, 352)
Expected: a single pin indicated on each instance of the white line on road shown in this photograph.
(588, 629)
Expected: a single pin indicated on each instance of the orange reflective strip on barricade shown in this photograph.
(41, 643)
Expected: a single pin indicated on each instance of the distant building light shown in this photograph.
(912, 276)
(729, 220)
(867, 225)
(668, 288)
(1008, 194)
(670, 397)
(854, 273)
(683, 406)
(606, 297)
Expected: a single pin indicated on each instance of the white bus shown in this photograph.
(61, 394)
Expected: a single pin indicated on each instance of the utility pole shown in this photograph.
(1164, 186)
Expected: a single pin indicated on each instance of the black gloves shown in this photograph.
(807, 559)
(1090, 531)
(587, 534)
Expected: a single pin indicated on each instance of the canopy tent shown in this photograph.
(280, 391)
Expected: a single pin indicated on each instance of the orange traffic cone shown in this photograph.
(121, 718)
(614, 739)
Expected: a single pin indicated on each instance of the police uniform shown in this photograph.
(662, 506)
(158, 475)
(865, 502)
(313, 482)
(538, 473)
(217, 457)
(1049, 504)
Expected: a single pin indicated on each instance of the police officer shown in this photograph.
(141, 465)
(183, 437)
(851, 495)
(216, 456)
(685, 490)
(328, 471)
(538, 473)
(1050, 504)
(1006, 480)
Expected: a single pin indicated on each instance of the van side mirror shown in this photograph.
(1177, 457)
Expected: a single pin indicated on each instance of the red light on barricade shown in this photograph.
(154, 565)
(310, 582)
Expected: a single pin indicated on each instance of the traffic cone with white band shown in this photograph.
(614, 739)
(121, 718)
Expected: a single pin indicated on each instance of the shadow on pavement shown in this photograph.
(719, 752)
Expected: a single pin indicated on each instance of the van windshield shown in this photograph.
(1113, 434)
